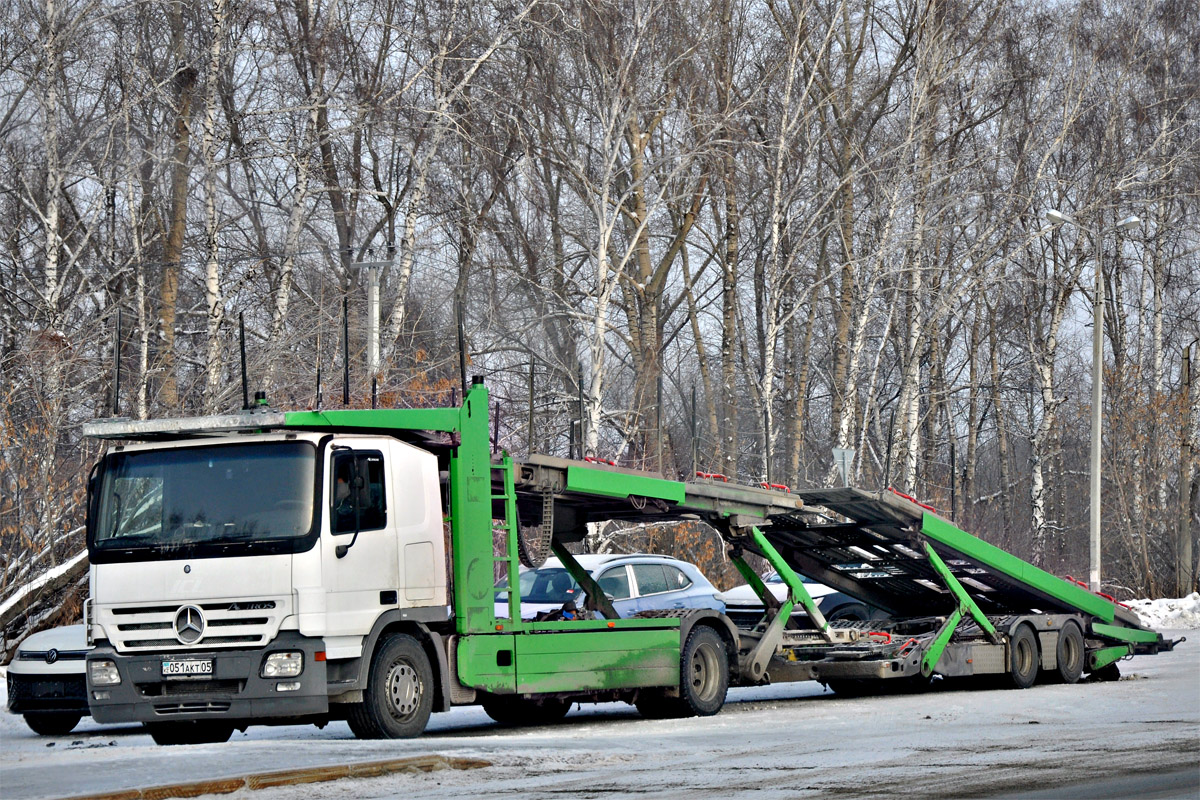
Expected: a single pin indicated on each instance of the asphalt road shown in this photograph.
(1139, 737)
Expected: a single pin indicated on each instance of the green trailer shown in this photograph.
(385, 613)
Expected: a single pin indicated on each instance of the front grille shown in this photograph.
(229, 623)
(185, 687)
(54, 691)
(198, 707)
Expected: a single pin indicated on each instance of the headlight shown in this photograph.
(283, 665)
(104, 672)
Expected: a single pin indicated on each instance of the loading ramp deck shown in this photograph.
(870, 546)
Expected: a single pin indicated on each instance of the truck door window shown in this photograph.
(358, 490)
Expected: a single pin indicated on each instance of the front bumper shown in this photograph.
(234, 691)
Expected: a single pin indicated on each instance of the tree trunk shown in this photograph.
(185, 84)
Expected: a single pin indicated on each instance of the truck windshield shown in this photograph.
(192, 498)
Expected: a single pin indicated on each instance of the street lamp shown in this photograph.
(1055, 217)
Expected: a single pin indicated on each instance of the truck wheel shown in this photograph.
(399, 694)
(512, 710)
(198, 732)
(52, 723)
(1070, 653)
(1023, 658)
(703, 673)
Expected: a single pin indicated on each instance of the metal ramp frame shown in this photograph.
(871, 546)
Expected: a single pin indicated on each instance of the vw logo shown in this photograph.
(51, 656)
(189, 625)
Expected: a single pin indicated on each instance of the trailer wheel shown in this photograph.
(52, 723)
(703, 673)
(1023, 657)
(512, 710)
(1070, 653)
(703, 680)
(197, 732)
(399, 695)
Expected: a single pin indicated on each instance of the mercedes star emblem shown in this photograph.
(189, 624)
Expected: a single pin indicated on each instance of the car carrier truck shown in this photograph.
(272, 567)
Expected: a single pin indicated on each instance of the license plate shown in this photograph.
(187, 669)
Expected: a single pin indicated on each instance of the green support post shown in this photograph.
(965, 603)
(796, 591)
(755, 582)
(965, 606)
(596, 595)
(938, 645)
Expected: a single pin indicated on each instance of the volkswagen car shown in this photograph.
(634, 583)
(46, 680)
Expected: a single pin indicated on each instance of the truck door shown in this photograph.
(359, 548)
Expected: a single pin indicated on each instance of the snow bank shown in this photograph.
(1168, 613)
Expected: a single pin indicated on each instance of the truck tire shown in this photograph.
(1070, 653)
(513, 710)
(52, 723)
(399, 695)
(1023, 657)
(703, 673)
(196, 732)
(703, 680)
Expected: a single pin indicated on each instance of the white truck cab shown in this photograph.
(240, 577)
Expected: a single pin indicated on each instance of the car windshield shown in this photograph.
(206, 495)
(545, 585)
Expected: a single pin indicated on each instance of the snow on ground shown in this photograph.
(793, 740)
(1173, 613)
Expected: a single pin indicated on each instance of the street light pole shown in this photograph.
(372, 268)
(1097, 399)
(1129, 223)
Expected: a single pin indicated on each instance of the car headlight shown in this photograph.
(104, 672)
(283, 665)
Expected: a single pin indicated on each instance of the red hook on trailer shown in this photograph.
(712, 476)
(777, 486)
(1107, 597)
(887, 636)
(912, 499)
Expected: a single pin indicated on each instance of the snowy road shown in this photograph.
(1138, 737)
